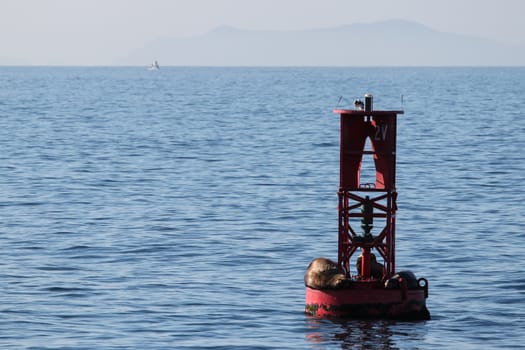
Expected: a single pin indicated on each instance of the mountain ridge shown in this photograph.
(385, 43)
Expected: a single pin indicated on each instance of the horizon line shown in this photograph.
(252, 66)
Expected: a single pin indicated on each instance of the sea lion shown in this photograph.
(376, 269)
(408, 276)
(323, 273)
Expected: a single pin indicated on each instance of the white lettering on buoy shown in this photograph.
(381, 132)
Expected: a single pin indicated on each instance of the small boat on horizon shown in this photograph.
(154, 66)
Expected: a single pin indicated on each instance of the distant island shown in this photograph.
(386, 43)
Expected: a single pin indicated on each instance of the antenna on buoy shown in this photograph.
(339, 101)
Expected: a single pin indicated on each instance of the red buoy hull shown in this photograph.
(367, 302)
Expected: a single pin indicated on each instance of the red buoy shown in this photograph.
(373, 288)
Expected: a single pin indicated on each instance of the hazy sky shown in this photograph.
(86, 32)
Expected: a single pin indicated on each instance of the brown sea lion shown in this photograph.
(323, 273)
(376, 269)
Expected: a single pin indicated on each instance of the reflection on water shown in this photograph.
(363, 334)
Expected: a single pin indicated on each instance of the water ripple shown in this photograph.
(180, 209)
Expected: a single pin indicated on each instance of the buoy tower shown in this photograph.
(373, 288)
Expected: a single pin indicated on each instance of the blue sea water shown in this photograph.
(179, 208)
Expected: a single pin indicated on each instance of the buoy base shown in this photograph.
(362, 300)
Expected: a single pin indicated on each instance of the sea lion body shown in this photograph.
(376, 269)
(324, 273)
(408, 276)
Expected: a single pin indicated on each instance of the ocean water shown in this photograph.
(179, 208)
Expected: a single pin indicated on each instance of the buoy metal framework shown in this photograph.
(367, 201)
(375, 290)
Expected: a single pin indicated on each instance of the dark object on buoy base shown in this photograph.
(377, 290)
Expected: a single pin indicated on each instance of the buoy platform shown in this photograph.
(365, 301)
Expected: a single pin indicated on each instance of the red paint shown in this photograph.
(374, 206)
(365, 301)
